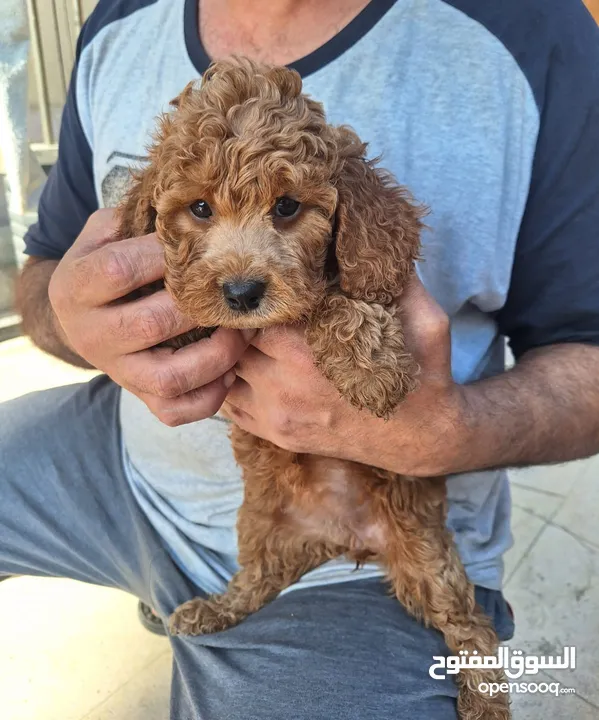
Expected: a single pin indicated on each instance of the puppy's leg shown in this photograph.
(272, 553)
(444, 599)
(429, 580)
(272, 560)
(360, 348)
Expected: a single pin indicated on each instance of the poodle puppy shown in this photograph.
(269, 215)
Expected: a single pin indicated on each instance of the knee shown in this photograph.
(14, 436)
(28, 422)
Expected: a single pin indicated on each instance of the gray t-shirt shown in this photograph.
(488, 112)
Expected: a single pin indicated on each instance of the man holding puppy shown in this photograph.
(490, 115)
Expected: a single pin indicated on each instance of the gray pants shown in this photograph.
(347, 652)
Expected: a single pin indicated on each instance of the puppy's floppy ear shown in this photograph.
(136, 213)
(360, 348)
(377, 227)
(356, 336)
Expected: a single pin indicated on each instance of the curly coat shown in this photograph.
(246, 137)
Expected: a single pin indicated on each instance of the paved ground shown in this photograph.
(74, 652)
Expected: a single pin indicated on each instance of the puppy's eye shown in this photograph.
(286, 207)
(201, 209)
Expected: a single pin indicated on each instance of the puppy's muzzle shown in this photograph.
(244, 295)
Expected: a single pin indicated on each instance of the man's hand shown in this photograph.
(544, 410)
(119, 337)
(280, 396)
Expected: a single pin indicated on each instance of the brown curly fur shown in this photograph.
(244, 138)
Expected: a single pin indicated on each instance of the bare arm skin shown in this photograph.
(544, 410)
(39, 319)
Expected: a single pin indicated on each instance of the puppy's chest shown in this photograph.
(336, 502)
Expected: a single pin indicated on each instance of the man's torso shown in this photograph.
(450, 111)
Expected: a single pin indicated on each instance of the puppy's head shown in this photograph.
(248, 186)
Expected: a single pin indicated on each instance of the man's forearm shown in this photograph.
(544, 410)
(39, 321)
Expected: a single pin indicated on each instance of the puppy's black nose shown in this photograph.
(244, 295)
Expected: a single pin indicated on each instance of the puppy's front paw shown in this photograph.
(359, 347)
(199, 617)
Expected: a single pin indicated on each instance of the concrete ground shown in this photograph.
(69, 651)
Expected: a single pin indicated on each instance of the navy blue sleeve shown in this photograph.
(68, 197)
(554, 289)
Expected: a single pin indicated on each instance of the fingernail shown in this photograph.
(248, 334)
(229, 378)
